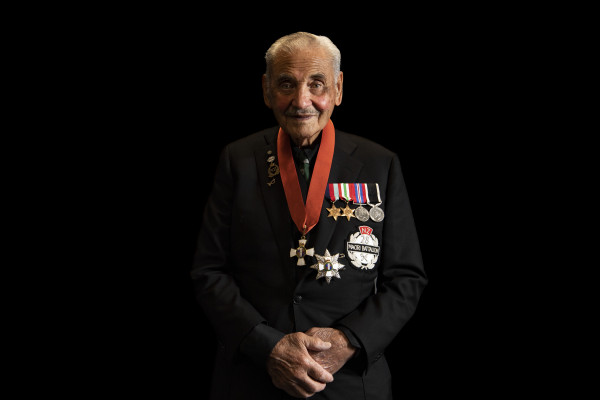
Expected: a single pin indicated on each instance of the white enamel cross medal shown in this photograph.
(328, 266)
(301, 252)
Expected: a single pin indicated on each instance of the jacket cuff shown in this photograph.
(351, 338)
(259, 343)
(358, 362)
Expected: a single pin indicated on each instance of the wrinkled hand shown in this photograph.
(340, 352)
(293, 370)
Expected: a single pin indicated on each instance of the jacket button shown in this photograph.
(297, 299)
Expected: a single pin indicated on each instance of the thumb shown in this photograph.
(316, 344)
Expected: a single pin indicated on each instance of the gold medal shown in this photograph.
(347, 212)
(272, 169)
(335, 212)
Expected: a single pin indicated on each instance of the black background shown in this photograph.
(171, 92)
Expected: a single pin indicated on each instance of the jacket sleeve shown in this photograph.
(401, 277)
(232, 316)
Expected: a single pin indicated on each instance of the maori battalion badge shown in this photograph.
(363, 248)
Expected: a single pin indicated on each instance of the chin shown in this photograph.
(302, 129)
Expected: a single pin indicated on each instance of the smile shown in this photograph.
(303, 117)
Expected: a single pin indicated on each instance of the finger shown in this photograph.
(295, 390)
(318, 373)
(316, 344)
(311, 331)
(300, 387)
(308, 385)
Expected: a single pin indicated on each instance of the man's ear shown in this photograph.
(339, 89)
(265, 91)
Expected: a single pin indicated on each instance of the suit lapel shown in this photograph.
(274, 200)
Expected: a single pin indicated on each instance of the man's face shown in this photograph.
(302, 93)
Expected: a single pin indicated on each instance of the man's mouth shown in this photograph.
(303, 116)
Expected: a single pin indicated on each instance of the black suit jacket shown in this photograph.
(253, 292)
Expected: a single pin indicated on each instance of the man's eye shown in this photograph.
(285, 85)
(317, 85)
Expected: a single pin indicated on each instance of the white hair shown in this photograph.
(291, 43)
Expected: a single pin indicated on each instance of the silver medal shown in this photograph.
(361, 214)
(376, 214)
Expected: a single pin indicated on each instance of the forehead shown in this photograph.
(304, 62)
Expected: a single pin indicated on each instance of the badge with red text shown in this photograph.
(363, 248)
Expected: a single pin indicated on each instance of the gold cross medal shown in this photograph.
(301, 252)
(327, 266)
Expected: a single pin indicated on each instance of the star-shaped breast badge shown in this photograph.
(328, 266)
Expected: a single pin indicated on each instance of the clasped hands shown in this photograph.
(302, 364)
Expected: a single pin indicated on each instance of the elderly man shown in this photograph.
(308, 262)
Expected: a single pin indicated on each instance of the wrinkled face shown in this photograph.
(302, 93)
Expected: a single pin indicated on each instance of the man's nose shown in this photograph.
(302, 97)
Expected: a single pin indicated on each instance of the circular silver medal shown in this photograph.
(361, 214)
(376, 214)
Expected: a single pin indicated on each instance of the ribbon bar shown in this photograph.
(355, 192)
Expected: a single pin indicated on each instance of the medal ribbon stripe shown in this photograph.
(344, 192)
(333, 196)
(355, 192)
(373, 188)
(358, 191)
(352, 192)
(378, 196)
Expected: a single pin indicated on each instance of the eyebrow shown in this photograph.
(285, 77)
(288, 77)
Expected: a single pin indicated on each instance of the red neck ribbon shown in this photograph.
(306, 217)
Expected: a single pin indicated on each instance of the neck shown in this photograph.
(305, 141)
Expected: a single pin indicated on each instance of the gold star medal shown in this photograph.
(334, 195)
(347, 212)
(335, 212)
(327, 266)
(344, 192)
